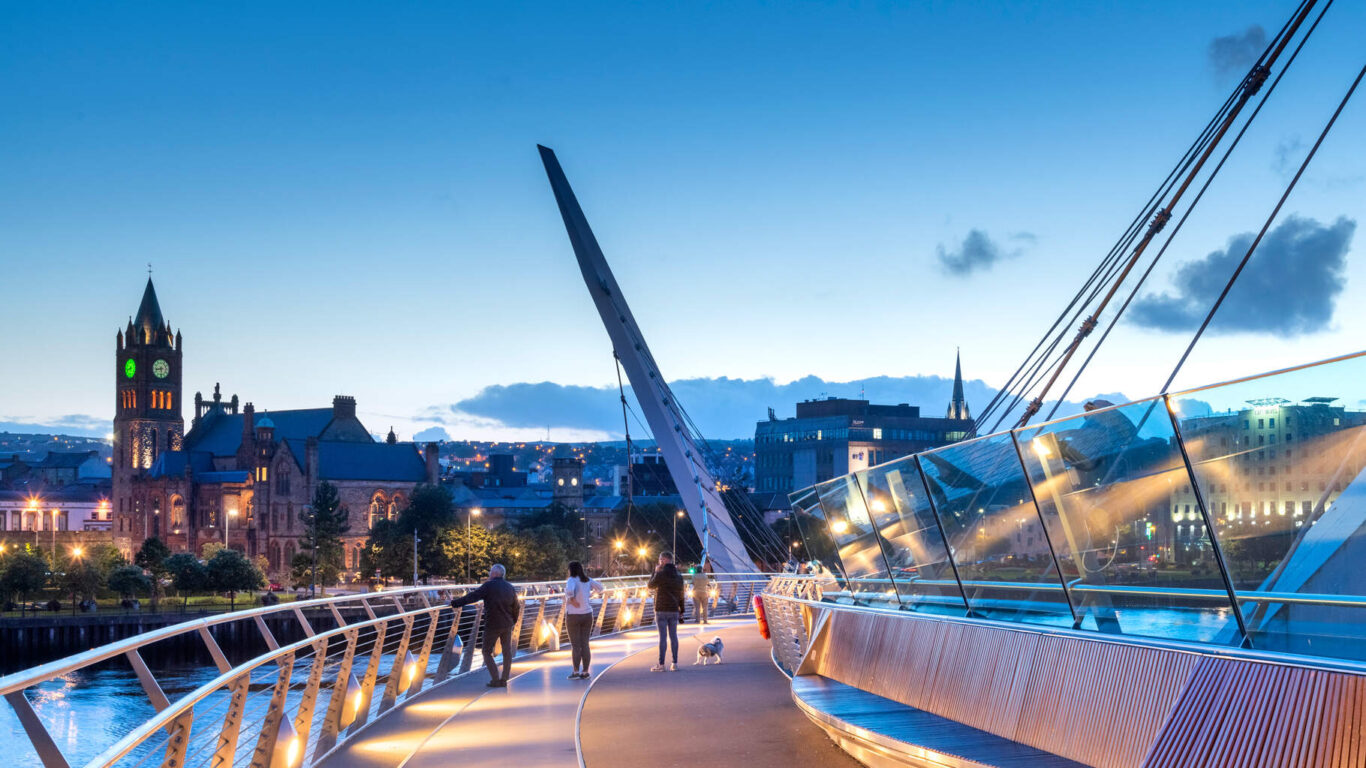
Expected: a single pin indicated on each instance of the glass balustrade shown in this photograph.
(1233, 514)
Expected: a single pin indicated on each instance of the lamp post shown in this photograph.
(415, 543)
(76, 553)
(617, 546)
(677, 515)
(227, 521)
(469, 540)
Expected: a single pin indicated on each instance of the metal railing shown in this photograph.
(355, 658)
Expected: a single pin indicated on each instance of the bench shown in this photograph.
(883, 732)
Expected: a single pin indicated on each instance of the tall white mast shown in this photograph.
(720, 542)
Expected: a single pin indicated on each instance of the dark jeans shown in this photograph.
(503, 637)
(667, 621)
(579, 625)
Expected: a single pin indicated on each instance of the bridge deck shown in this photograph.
(627, 717)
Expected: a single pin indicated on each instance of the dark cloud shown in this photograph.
(1288, 155)
(1289, 288)
(722, 408)
(1235, 54)
(978, 252)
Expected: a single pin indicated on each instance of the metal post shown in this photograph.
(476, 624)
(225, 753)
(1209, 525)
(336, 700)
(367, 686)
(396, 667)
(303, 719)
(450, 653)
(37, 734)
(1052, 551)
(275, 713)
(423, 656)
(948, 547)
(416, 540)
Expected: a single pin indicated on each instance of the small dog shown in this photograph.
(708, 651)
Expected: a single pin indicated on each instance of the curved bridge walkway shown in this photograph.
(624, 715)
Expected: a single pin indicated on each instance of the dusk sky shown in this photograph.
(346, 198)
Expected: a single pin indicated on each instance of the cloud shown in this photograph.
(431, 434)
(75, 424)
(1288, 156)
(722, 408)
(1289, 288)
(1236, 53)
(978, 253)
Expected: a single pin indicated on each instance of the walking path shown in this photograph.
(624, 716)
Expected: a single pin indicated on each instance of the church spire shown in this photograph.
(958, 406)
(149, 322)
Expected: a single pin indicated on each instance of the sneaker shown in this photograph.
(574, 676)
(495, 684)
(584, 675)
(673, 667)
(657, 668)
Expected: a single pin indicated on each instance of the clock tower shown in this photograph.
(147, 420)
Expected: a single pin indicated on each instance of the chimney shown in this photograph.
(343, 407)
(311, 459)
(433, 466)
(248, 421)
(246, 449)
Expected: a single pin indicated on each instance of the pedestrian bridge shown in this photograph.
(388, 679)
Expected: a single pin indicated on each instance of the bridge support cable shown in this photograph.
(1270, 219)
(1115, 272)
(1133, 293)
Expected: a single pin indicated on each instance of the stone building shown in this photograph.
(236, 476)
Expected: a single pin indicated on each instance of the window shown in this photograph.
(262, 474)
(1261, 423)
(1271, 422)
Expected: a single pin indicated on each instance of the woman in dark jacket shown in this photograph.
(670, 595)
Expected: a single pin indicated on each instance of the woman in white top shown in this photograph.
(578, 592)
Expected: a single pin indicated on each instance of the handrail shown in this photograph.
(394, 653)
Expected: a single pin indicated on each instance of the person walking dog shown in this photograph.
(578, 617)
(670, 602)
(502, 610)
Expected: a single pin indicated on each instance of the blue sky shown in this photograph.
(343, 197)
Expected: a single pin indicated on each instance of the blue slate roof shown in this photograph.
(66, 460)
(173, 463)
(399, 462)
(221, 433)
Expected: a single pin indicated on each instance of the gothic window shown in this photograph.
(177, 514)
(398, 503)
(377, 508)
(154, 449)
(282, 481)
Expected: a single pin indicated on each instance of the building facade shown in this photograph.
(237, 477)
(833, 437)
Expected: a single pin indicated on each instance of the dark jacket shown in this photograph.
(501, 607)
(669, 591)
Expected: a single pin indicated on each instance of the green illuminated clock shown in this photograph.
(160, 369)
(130, 368)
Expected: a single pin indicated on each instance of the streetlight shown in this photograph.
(76, 553)
(227, 540)
(469, 542)
(679, 514)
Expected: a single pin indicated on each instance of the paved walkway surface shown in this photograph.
(738, 713)
(531, 723)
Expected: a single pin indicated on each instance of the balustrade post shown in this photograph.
(336, 700)
(225, 753)
(602, 613)
(476, 628)
(37, 733)
(178, 740)
(264, 755)
(396, 667)
(535, 643)
(367, 686)
(450, 652)
(303, 720)
(420, 679)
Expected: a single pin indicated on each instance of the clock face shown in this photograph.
(130, 368)
(160, 369)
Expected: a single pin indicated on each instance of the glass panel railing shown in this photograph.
(811, 543)
(847, 517)
(1135, 562)
(1279, 462)
(980, 495)
(921, 571)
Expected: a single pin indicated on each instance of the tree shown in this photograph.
(151, 557)
(431, 515)
(83, 577)
(301, 571)
(25, 573)
(231, 572)
(324, 524)
(211, 548)
(468, 549)
(129, 581)
(539, 554)
(187, 575)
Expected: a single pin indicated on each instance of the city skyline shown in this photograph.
(428, 271)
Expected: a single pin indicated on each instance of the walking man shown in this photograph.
(670, 602)
(501, 613)
(701, 594)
